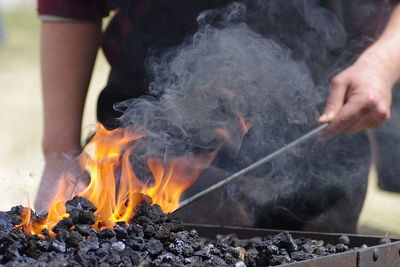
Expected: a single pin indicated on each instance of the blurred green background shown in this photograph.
(21, 161)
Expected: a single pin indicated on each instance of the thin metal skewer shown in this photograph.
(253, 166)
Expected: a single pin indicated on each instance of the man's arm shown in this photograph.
(360, 96)
(68, 52)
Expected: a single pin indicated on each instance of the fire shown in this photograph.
(114, 185)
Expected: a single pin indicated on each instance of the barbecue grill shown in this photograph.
(375, 255)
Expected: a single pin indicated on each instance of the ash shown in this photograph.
(152, 238)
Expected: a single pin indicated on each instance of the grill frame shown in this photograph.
(374, 256)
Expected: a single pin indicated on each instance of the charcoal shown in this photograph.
(64, 224)
(150, 238)
(83, 229)
(341, 247)
(106, 233)
(136, 230)
(154, 247)
(120, 232)
(79, 216)
(118, 246)
(285, 240)
(150, 231)
(6, 222)
(16, 210)
(237, 252)
(136, 243)
(62, 235)
(178, 247)
(45, 233)
(74, 238)
(57, 245)
(79, 203)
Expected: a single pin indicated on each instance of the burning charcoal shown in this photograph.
(384, 240)
(74, 238)
(57, 245)
(344, 239)
(79, 203)
(82, 216)
(45, 233)
(106, 233)
(120, 232)
(154, 247)
(83, 229)
(118, 246)
(156, 214)
(17, 210)
(15, 219)
(65, 224)
(143, 208)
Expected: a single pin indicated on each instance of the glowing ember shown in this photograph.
(114, 185)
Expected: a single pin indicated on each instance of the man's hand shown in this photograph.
(63, 177)
(359, 98)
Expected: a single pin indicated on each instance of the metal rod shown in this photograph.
(252, 166)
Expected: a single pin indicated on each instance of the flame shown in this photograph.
(114, 186)
(115, 189)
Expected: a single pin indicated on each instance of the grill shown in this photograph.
(374, 256)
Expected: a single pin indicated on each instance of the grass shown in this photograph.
(21, 161)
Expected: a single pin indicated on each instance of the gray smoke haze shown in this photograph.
(268, 62)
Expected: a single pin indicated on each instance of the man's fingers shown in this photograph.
(345, 119)
(370, 120)
(336, 99)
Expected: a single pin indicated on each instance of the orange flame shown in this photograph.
(114, 185)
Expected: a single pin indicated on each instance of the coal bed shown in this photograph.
(152, 238)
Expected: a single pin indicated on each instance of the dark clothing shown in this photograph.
(147, 28)
(143, 28)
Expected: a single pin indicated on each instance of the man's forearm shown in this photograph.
(68, 52)
(387, 47)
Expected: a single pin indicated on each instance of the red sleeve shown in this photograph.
(77, 9)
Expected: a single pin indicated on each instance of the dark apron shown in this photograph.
(316, 203)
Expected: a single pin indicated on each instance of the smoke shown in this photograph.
(267, 63)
